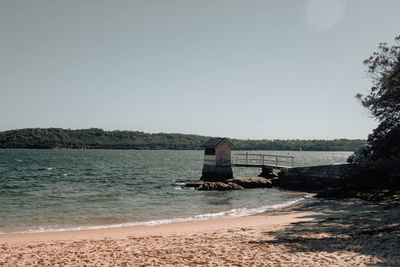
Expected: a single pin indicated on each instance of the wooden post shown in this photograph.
(276, 161)
(292, 162)
(247, 158)
(262, 160)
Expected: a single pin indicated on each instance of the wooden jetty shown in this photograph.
(265, 161)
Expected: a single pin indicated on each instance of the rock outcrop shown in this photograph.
(194, 184)
(275, 181)
(237, 183)
(268, 173)
(219, 186)
(251, 182)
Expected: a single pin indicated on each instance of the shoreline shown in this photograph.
(229, 214)
(321, 232)
(283, 215)
(277, 217)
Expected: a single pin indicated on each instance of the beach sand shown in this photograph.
(319, 233)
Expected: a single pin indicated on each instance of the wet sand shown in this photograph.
(319, 233)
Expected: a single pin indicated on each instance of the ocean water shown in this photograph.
(55, 190)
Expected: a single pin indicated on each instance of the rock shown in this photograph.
(235, 186)
(193, 184)
(207, 186)
(269, 175)
(219, 186)
(266, 172)
(272, 175)
(275, 181)
(251, 182)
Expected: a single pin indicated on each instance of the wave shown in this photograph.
(234, 213)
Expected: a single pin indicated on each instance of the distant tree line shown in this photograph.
(305, 145)
(53, 138)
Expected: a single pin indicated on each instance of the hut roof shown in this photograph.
(215, 141)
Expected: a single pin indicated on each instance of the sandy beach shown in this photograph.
(320, 233)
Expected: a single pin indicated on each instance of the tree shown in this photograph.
(383, 101)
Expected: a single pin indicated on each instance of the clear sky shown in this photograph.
(243, 69)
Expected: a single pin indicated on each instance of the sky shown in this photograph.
(245, 69)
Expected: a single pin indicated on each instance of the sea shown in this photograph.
(66, 189)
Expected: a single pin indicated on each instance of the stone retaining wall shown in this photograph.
(319, 177)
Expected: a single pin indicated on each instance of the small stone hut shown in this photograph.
(217, 160)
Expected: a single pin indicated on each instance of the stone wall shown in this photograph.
(320, 177)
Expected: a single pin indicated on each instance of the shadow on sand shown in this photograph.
(345, 225)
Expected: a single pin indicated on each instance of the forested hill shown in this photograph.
(100, 139)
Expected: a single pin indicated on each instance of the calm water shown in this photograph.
(47, 190)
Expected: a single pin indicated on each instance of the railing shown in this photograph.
(260, 160)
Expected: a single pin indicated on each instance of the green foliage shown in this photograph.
(99, 139)
(295, 144)
(383, 101)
